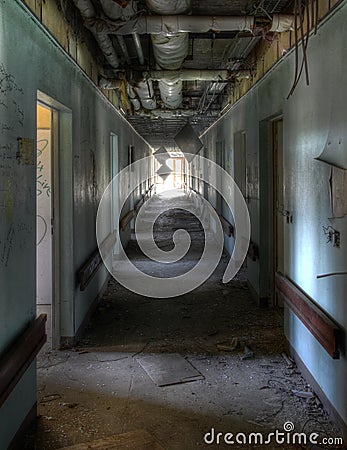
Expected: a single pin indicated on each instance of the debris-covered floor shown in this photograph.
(240, 380)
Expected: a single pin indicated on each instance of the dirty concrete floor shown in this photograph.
(99, 389)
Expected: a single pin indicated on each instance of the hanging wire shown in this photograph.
(312, 22)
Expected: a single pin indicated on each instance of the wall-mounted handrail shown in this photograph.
(323, 328)
(123, 222)
(91, 266)
(15, 362)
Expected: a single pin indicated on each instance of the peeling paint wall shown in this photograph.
(275, 47)
(311, 118)
(72, 36)
(30, 61)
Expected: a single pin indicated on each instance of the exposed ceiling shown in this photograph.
(148, 47)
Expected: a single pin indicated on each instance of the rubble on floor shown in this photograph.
(99, 389)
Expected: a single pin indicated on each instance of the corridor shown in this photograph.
(99, 388)
(173, 224)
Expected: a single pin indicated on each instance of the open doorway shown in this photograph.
(279, 213)
(174, 180)
(114, 157)
(46, 199)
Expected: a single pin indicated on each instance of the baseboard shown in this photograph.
(67, 342)
(19, 439)
(335, 416)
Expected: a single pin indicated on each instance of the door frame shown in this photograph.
(63, 313)
(277, 154)
(267, 212)
(114, 156)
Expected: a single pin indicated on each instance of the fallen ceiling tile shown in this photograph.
(168, 369)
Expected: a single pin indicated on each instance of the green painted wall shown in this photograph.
(314, 116)
(30, 61)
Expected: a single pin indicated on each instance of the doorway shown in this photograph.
(114, 157)
(240, 161)
(280, 214)
(46, 200)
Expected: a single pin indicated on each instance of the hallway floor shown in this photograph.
(100, 389)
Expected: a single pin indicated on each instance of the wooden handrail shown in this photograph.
(228, 228)
(123, 222)
(15, 362)
(91, 266)
(311, 315)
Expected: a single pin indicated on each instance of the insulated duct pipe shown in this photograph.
(169, 114)
(133, 98)
(87, 11)
(106, 83)
(190, 24)
(217, 75)
(169, 7)
(171, 93)
(182, 24)
(187, 75)
(170, 50)
(144, 90)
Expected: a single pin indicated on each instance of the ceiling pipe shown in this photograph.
(177, 113)
(217, 75)
(86, 8)
(144, 90)
(170, 50)
(171, 93)
(138, 48)
(187, 75)
(107, 48)
(282, 23)
(107, 83)
(169, 7)
(181, 24)
(133, 98)
(124, 48)
(191, 24)
(87, 11)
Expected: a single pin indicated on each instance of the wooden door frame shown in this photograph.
(62, 214)
(266, 217)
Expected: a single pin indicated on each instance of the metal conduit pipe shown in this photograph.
(187, 75)
(167, 114)
(124, 48)
(87, 11)
(138, 47)
(182, 75)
